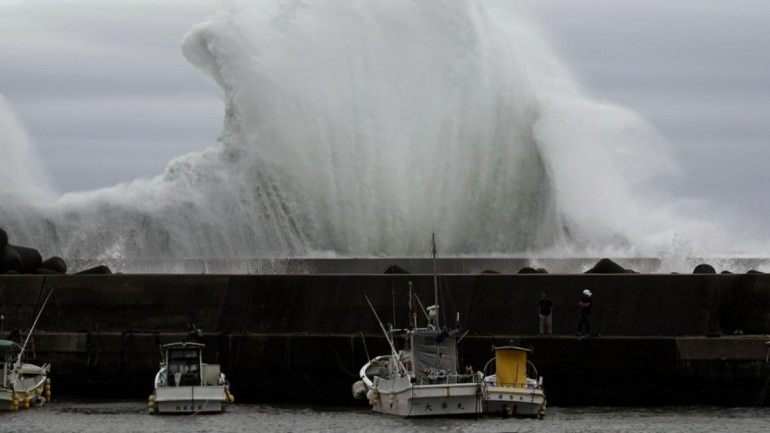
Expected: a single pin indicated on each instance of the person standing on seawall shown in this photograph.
(585, 304)
(545, 308)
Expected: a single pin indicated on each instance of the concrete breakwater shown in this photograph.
(658, 339)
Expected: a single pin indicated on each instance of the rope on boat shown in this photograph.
(192, 400)
(340, 363)
(353, 347)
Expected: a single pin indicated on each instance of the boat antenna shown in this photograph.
(435, 278)
(21, 352)
(393, 300)
(390, 343)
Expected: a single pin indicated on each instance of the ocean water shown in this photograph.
(131, 416)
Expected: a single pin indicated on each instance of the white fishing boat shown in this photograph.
(423, 378)
(185, 384)
(23, 385)
(512, 386)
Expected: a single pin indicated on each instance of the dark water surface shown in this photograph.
(131, 416)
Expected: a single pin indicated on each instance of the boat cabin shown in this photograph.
(433, 356)
(184, 363)
(9, 351)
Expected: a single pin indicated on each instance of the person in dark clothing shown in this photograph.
(585, 304)
(545, 308)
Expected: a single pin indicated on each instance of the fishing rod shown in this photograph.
(29, 335)
(392, 346)
(424, 312)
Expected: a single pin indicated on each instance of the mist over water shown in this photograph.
(358, 128)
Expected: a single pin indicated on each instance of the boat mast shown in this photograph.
(435, 279)
(412, 314)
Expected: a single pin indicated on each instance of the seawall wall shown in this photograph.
(658, 339)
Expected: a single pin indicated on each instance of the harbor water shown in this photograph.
(131, 416)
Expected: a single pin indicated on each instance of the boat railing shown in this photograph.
(531, 368)
(31, 376)
(528, 384)
(440, 378)
(161, 377)
(532, 379)
(378, 367)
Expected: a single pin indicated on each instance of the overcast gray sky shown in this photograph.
(699, 71)
(104, 92)
(102, 87)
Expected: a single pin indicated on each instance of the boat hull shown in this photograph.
(510, 401)
(400, 397)
(6, 400)
(24, 400)
(29, 385)
(189, 399)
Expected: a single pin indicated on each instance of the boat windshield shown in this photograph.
(184, 367)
